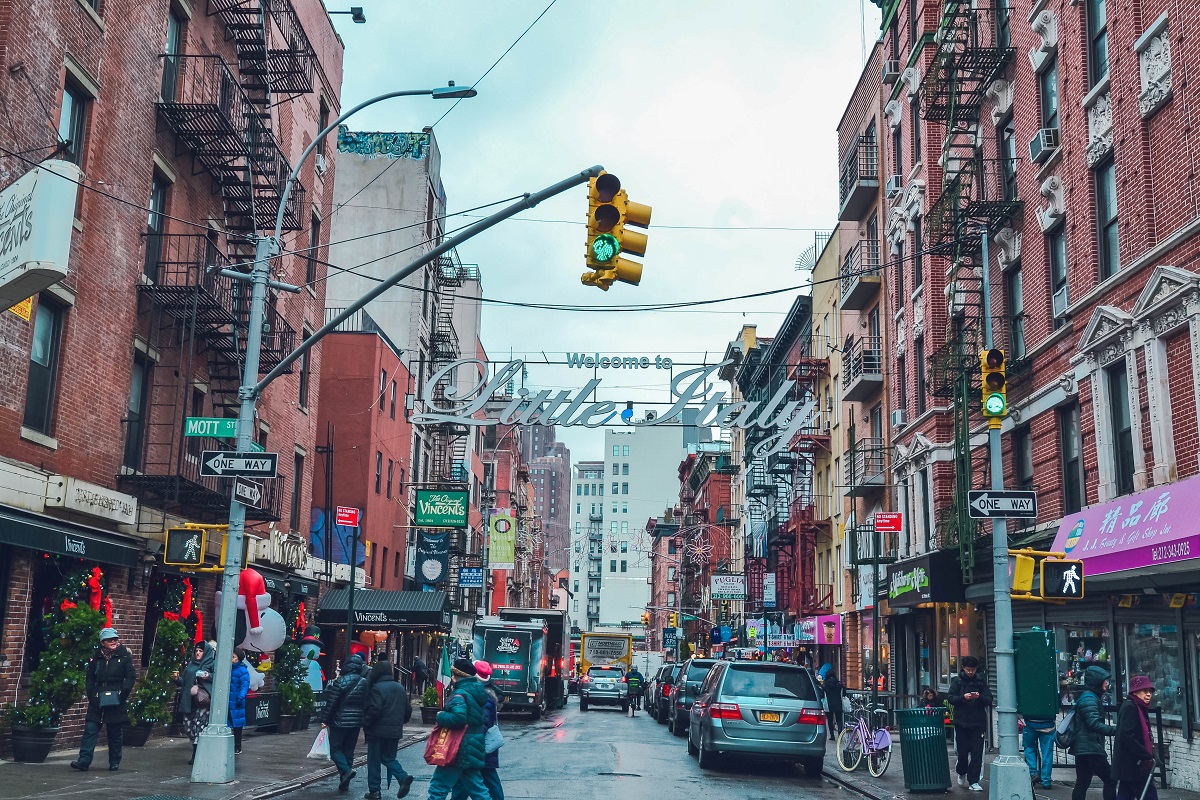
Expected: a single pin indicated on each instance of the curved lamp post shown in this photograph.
(214, 750)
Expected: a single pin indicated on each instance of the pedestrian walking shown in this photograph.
(834, 692)
(1133, 750)
(1091, 726)
(1037, 740)
(971, 698)
(195, 684)
(109, 680)
(490, 774)
(239, 687)
(465, 708)
(387, 710)
(345, 702)
(635, 682)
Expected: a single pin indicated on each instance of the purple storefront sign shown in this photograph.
(1157, 526)
(825, 629)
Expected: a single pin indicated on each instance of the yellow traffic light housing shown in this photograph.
(645, 618)
(609, 212)
(1022, 574)
(674, 623)
(993, 369)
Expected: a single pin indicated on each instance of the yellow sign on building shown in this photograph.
(23, 309)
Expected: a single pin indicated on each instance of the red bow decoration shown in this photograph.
(185, 609)
(66, 605)
(108, 612)
(94, 588)
(300, 626)
(171, 615)
(199, 626)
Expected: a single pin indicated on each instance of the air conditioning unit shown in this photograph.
(1060, 302)
(895, 185)
(898, 418)
(320, 164)
(891, 72)
(1043, 145)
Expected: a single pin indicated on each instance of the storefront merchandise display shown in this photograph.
(1156, 651)
(1079, 648)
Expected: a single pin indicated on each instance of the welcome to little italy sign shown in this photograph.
(780, 417)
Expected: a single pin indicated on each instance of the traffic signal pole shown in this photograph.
(1010, 776)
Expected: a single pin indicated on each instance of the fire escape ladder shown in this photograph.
(449, 445)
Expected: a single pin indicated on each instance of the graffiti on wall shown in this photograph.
(341, 540)
(388, 145)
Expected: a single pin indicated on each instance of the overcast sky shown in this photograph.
(717, 115)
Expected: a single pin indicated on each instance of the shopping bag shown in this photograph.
(442, 746)
(493, 739)
(320, 745)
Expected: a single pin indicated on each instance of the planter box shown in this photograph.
(429, 715)
(137, 735)
(287, 723)
(32, 745)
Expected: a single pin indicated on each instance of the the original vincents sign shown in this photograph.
(781, 417)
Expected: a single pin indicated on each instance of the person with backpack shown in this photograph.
(1133, 750)
(834, 692)
(1090, 728)
(634, 680)
(388, 708)
(971, 698)
(345, 701)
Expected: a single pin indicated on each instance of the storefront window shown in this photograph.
(1154, 650)
(1082, 646)
(952, 632)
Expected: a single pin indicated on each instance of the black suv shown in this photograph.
(683, 693)
(663, 686)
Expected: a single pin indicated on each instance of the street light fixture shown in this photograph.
(356, 14)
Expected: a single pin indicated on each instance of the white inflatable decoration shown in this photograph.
(264, 626)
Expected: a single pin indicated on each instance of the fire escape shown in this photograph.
(222, 117)
(808, 518)
(978, 198)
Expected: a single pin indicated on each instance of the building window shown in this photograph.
(1023, 457)
(671, 599)
(392, 401)
(155, 224)
(624, 488)
(624, 507)
(579, 490)
(671, 573)
(1006, 140)
(297, 484)
(918, 255)
(671, 547)
(322, 123)
(1071, 455)
(614, 489)
(1097, 19)
(612, 565)
(625, 544)
(378, 472)
(901, 383)
(616, 468)
(135, 413)
(1056, 255)
(395, 561)
(1003, 24)
(171, 50)
(314, 245)
(1109, 245)
(624, 566)
(72, 122)
(897, 152)
(391, 476)
(624, 527)
(305, 375)
(1048, 84)
(1118, 403)
(383, 573)
(900, 275)
(624, 469)
(43, 366)
(1016, 312)
(613, 529)
(616, 450)
(919, 357)
(914, 23)
(914, 114)
(624, 449)
(383, 382)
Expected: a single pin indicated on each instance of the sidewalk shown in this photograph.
(271, 764)
(891, 785)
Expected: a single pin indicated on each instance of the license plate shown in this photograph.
(768, 716)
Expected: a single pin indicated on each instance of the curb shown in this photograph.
(277, 789)
(856, 786)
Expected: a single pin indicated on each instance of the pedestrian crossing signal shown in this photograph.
(1062, 579)
(185, 547)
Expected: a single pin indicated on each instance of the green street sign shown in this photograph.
(689, 618)
(216, 427)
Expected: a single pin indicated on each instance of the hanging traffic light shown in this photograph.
(645, 618)
(994, 384)
(674, 620)
(609, 212)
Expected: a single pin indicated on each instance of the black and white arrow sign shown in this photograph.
(247, 492)
(992, 504)
(218, 464)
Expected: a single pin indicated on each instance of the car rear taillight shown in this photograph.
(725, 711)
(809, 717)
(666, 690)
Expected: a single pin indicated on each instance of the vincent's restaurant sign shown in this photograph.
(779, 417)
(440, 509)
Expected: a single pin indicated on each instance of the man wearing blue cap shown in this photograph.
(110, 677)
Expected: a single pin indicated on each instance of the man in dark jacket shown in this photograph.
(1091, 756)
(345, 701)
(834, 691)
(110, 677)
(465, 708)
(971, 698)
(634, 681)
(383, 725)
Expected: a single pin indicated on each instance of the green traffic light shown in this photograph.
(605, 248)
(995, 404)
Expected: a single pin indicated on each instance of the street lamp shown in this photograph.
(214, 747)
(355, 12)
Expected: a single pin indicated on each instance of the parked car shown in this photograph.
(573, 684)
(604, 686)
(651, 690)
(662, 690)
(683, 692)
(758, 709)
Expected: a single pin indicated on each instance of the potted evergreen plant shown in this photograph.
(296, 701)
(150, 702)
(429, 706)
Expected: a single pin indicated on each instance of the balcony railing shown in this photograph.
(860, 275)
(816, 599)
(862, 367)
(859, 183)
(978, 194)
(865, 467)
(183, 277)
(865, 544)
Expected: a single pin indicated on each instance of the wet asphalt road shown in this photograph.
(602, 755)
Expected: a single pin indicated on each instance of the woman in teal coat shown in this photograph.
(464, 709)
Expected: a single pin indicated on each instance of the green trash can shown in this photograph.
(923, 749)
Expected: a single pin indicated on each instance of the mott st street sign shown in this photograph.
(219, 464)
(992, 504)
(216, 428)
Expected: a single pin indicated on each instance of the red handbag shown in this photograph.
(442, 746)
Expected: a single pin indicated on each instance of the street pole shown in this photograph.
(214, 748)
(1010, 776)
(350, 593)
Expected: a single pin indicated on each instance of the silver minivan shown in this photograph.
(758, 709)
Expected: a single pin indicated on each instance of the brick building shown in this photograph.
(101, 368)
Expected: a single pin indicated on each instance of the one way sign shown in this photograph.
(247, 492)
(991, 504)
(219, 464)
